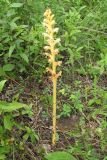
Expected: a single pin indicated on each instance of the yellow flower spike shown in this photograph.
(49, 36)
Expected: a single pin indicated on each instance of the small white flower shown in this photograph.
(47, 54)
(53, 22)
(45, 35)
(51, 60)
(56, 51)
(57, 41)
(44, 24)
(52, 16)
(56, 30)
(47, 47)
(50, 41)
(59, 63)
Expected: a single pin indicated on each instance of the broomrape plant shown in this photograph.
(51, 51)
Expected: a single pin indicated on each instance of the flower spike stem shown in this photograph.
(51, 51)
(54, 111)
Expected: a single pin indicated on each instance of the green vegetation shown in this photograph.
(26, 91)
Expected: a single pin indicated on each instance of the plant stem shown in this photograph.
(54, 112)
(54, 102)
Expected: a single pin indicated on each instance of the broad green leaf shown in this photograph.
(11, 49)
(2, 83)
(8, 67)
(25, 57)
(8, 122)
(16, 5)
(9, 107)
(59, 156)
